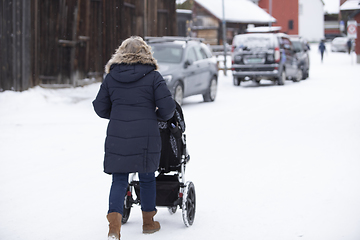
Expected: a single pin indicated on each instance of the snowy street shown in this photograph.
(268, 162)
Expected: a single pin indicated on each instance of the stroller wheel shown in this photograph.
(127, 207)
(126, 215)
(172, 210)
(189, 204)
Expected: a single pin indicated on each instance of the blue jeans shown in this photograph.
(118, 191)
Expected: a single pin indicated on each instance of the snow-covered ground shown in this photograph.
(268, 162)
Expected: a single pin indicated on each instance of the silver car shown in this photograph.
(186, 65)
(339, 44)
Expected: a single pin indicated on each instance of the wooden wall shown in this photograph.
(61, 41)
(15, 41)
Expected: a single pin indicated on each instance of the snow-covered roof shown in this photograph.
(183, 11)
(243, 11)
(350, 5)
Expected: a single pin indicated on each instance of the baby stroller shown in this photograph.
(171, 189)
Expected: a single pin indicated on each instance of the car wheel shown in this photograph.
(298, 76)
(236, 81)
(210, 94)
(305, 74)
(178, 93)
(282, 78)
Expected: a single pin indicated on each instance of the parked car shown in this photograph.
(187, 66)
(269, 56)
(330, 36)
(302, 48)
(339, 44)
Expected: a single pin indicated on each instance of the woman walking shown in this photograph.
(322, 49)
(133, 96)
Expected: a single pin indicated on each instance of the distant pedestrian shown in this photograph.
(349, 45)
(322, 49)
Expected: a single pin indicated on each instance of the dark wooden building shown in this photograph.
(63, 41)
(184, 22)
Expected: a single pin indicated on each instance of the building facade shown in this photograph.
(286, 13)
(311, 19)
(350, 10)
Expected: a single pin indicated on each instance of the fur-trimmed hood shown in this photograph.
(133, 50)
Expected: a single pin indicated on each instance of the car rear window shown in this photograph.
(339, 40)
(249, 41)
(167, 53)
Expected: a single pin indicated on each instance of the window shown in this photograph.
(200, 52)
(286, 43)
(167, 53)
(206, 50)
(255, 41)
(291, 24)
(191, 55)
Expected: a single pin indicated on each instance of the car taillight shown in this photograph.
(232, 48)
(277, 54)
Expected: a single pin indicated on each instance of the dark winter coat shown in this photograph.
(322, 47)
(128, 96)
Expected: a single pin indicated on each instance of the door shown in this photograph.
(203, 81)
(192, 72)
(291, 60)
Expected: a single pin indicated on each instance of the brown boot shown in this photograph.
(149, 225)
(114, 219)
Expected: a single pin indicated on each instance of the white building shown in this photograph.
(311, 19)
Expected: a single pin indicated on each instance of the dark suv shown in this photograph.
(257, 56)
(187, 66)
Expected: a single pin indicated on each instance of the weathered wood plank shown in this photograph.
(35, 34)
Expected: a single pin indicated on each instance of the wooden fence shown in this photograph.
(58, 42)
(218, 50)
